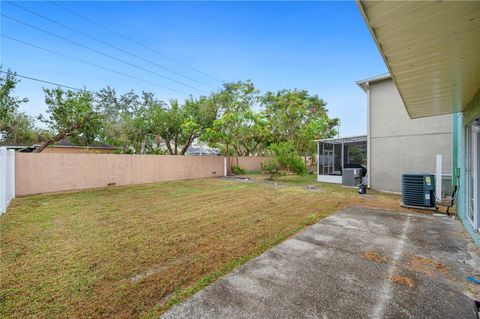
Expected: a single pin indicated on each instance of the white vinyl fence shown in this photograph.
(7, 178)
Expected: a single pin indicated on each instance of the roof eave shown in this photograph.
(364, 84)
(379, 47)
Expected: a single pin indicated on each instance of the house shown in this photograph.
(335, 154)
(398, 144)
(431, 50)
(202, 149)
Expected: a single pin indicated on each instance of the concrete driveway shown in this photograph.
(358, 263)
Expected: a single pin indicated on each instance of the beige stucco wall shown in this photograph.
(53, 172)
(249, 163)
(399, 144)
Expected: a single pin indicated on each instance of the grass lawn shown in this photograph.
(124, 252)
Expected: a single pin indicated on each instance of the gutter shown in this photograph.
(363, 84)
(369, 138)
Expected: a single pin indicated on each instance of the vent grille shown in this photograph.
(415, 192)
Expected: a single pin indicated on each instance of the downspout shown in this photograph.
(369, 144)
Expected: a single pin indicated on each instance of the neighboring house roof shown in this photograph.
(346, 139)
(202, 149)
(199, 151)
(363, 84)
(66, 143)
(430, 49)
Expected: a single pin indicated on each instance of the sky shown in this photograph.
(174, 49)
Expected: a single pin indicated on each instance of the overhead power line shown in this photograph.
(88, 63)
(97, 51)
(133, 40)
(43, 81)
(106, 43)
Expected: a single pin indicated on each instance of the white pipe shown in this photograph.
(369, 138)
(438, 179)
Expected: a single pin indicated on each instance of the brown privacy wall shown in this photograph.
(248, 163)
(44, 172)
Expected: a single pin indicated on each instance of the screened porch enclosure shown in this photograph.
(335, 154)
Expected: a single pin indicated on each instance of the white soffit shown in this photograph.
(432, 50)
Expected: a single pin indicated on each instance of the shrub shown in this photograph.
(158, 151)
(272, 168)
(237, 170)
(288, 158)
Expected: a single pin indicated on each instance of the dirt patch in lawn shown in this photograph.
(128, 252)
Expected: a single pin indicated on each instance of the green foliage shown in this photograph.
(356, 155)
(147, 124)
(8, 103)
(16, 128)
(180, 124)
(22, 131)
(288, 158)
(158, 151)
(237, 170)
(238, 127)
(125, 120)
(70, 114)
(272, 168)
(140, 123)
(297, 117)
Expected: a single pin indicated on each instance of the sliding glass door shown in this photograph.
(473, 173)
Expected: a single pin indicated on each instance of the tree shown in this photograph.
(288, 157)
(9, 103)
(70, 114)
(22, 131)
(168, 124)
(242, 130)
(238, 126)
(16, 128)
(179, 125)
(126, 119)
(297, 117)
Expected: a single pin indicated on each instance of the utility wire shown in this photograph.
(96, 51)
(107, 44)
(133, 40)
(89, 63)
(43, 81)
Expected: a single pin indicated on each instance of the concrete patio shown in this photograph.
(358, 263)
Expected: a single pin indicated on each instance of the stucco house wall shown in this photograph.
(398, 144)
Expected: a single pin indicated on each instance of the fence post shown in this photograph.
(12, 173)
(3, 180)
(224, 166)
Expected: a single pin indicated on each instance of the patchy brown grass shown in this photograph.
(402, 280)
(124, 252)
(427, 265)
(374, 256)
